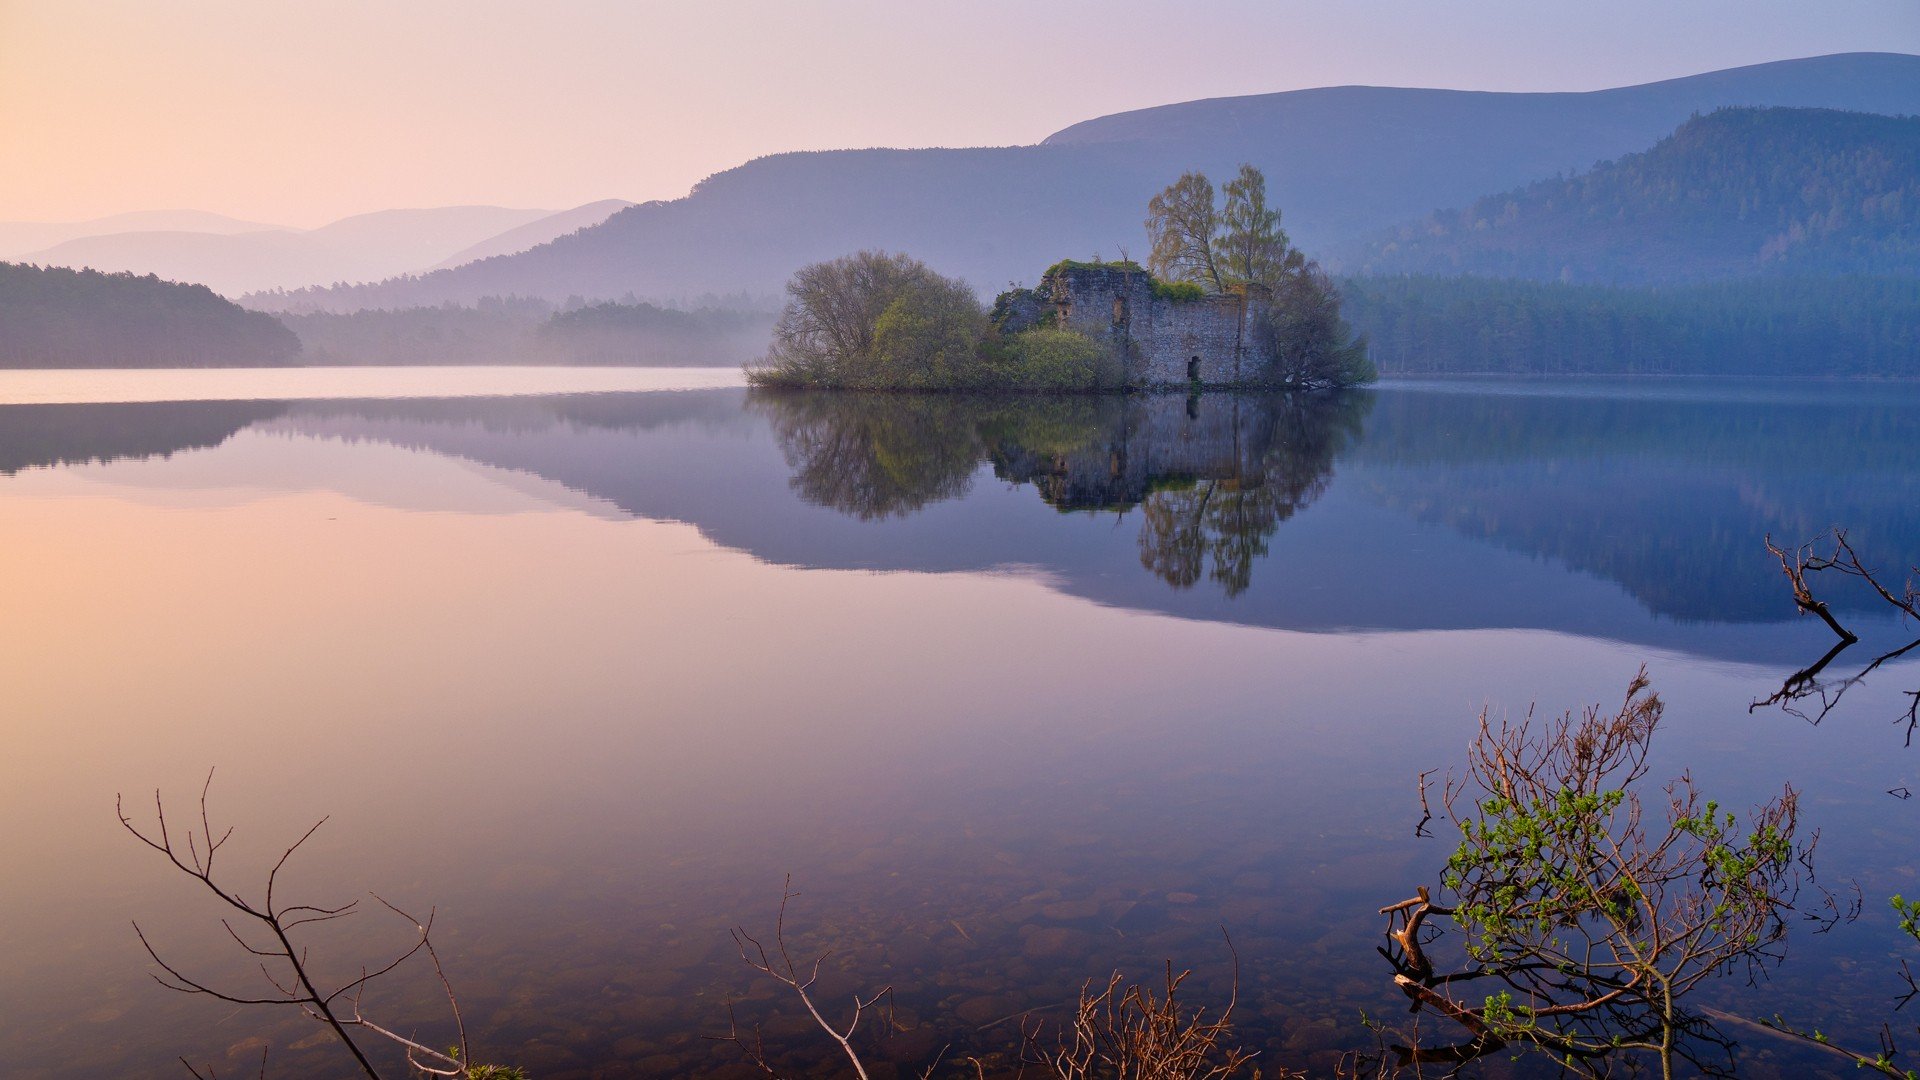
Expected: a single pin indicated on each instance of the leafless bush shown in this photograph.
(268, 930)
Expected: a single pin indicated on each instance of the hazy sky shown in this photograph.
(298, 113)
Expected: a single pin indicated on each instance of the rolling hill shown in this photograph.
(1735, 193)
(1346, 163)
(365, 247)
(52, 317)
(535, 233)
(19, 238)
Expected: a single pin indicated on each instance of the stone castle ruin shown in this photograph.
(1165, 339)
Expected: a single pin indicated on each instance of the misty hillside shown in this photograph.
(1734, 193)
(1345, 163)
(535, 233)
(365, 247)
(19, 238)
(57, 318)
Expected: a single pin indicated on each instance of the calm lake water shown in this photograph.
(1017, 691)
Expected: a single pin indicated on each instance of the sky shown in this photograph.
(300, 113)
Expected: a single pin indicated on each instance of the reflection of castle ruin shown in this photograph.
(1166, 339)
(1149, 443)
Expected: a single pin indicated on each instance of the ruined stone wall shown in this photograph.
(1166, 342)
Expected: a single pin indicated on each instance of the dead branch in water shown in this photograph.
(1805, 685)
(266, 929)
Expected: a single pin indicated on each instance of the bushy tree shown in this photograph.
(1182, 227)
(1251, 246)
(871, 319)
(1055, 358)
(1297, 330)
(1303, 338)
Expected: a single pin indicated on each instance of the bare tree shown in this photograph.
(1805, 693)
(268, 929)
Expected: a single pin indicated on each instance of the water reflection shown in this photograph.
(1635, 516)
(1214, 475)
(601, 613)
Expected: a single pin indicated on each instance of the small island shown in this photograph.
(1226, 302)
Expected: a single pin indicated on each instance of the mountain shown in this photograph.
(18, 238)
(535, 233)
(366, 247)
(52, 317)
(1735, 193)
(1346, 163)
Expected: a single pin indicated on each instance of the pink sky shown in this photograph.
(298, 113)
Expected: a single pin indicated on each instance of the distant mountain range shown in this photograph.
(1735, 193)
(1346, 163)
(235, 257)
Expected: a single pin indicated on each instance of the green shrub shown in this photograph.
(1053, 358)
(1179, 292)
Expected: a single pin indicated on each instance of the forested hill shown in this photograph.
(1345, 163)
(1735, 193)
(52, 317)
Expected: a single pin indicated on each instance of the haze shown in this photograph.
(298, 116)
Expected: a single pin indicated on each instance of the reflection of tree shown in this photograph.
(34, 435)
(1215, 474)
(873, 456)
(1227, 520)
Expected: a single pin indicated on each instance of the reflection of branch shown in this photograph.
(1805, 684)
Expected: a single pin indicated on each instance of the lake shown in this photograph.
(1018, 691)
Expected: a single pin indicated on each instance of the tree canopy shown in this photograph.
(52, 317)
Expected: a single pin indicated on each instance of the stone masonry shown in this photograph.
(1166, 342)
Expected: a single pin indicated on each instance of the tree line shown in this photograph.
(52, 317)
(1737, 192)
(1851, 326)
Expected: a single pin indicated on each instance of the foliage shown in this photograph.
(1297, 329)
(52, 317)
(1179, 292)
(1596, 917)
(929, 337)
(1055, 358)
(1251, 247)
(1740, 191)
(1303, 339)
(1182, 226)
(1123, 266)
(875, 321)
(522, 330)
(635, 332)
(1756, 326)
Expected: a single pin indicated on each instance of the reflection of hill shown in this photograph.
(1669, 497)
(32, 435)
(1632, 517)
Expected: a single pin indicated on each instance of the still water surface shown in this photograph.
(1016, 691)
